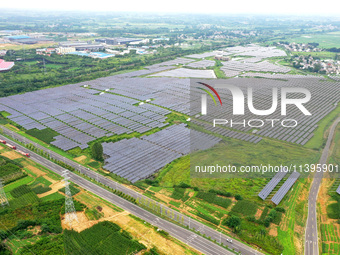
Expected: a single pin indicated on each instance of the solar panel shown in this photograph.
(338, 190)
(138, 158)
(285, 188)
(273, 183)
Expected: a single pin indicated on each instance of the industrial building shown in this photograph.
(72, 44)
(64, 50)
(117, 41)
(25, 39)
(90, 47)
(81, 46)
(5, 66)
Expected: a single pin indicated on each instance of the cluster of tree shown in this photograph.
(97, 151)
(334, 49)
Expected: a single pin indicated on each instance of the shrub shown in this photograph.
(280, 209)
(238, 197)
(178, 193)
(152, 182)
(183, 185)
(232, 222)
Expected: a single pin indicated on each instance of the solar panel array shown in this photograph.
(80, 115)
(338, 190)
(177, 61)
(201, 64)
(273, 183)
(335, 78)
(279, 195)
(252, 60)
(187, 73)
(256, 51)
(203, 55)
(171, 93)
(138, 158)
(281, 76)
(227, 132)
(263, 66)
(325, 97)
(230, 73)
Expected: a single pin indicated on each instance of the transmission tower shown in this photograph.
(70, 211)
(3, 198)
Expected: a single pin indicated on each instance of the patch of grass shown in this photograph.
(41, 189)
(94, 164)
(54, 176)
(93, 214)
(326, 40)
(334, 157)
(177, 204)
(319, 140)
(18, 183)
(214, 199)
(264, 213)
(239, 153)
(333, 210)
(112, 239)
(54, 196)
(155, 189)
(42, 180)
(73, 189)
(244, 207)
(46, 135)
(322, 54)
(208, 218)
(75, 152)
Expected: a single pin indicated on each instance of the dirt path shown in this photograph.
(55, 187)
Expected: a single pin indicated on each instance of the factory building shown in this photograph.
(117, 41)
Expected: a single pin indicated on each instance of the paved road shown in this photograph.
(178, 232)
(311, 235)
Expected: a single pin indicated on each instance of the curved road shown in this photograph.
(184, 235)
(311, 234)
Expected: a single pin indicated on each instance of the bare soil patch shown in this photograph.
(258, 214)
(273, 230)
(35, 170)
(81, 159)
(11, 155)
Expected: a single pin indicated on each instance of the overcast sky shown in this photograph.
(303, 7)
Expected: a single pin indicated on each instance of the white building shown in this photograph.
(64, 50)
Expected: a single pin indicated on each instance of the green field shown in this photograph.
(112, 238)
(247, 208)
(18, 183)
(54, 196)
(321, 55)
(327, 40)
(319, 139)
(334, 157)
(46, 135)
(239, 153)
